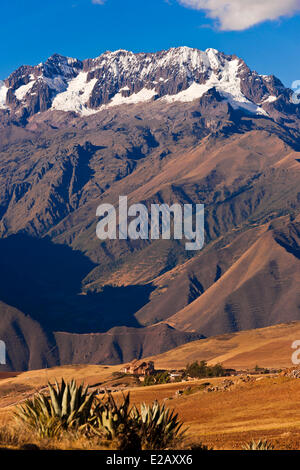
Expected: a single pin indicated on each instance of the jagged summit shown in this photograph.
(181, 74)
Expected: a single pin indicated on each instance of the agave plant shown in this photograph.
(153, 427)
(108, 416)
(114, 422)
(258, 445)
(66, 406)
(159, 426)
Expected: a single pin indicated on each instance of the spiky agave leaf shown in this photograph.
(55, 400)
(152, 426)
(258, 445)
(112, 419)
(65, 402)
(159, 426)
(66, 406)
(60, 389)
(75, 394)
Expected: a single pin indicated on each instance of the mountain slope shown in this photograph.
(261, 288)
(28, 346)
(184, 126)
(269, 347)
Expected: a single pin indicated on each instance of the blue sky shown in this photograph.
(32, 30)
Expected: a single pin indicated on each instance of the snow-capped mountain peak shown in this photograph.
(121, 77)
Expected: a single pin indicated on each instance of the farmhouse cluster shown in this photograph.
(136, 367)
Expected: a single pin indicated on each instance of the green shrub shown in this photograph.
(202, 370)
(149, 380)
(158, 378)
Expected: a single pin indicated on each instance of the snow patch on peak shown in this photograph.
(213, 58)
(270, 99)
(23, 90)
(192, 93)
(71, 61)
(227, 83)
(76, 96)
(140, 97)
(211, 49)
(3, 93)
(121, 50)
(184, 57)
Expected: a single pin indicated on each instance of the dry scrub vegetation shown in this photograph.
(265, 408)
(68, 416)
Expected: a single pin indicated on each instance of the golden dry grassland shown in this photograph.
(267, 407)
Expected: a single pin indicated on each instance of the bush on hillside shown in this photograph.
(202, 370)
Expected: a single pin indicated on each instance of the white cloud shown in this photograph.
(98, 2)
(237, 15)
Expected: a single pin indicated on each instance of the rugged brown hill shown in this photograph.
(269, 347)
(119, 344)
(260, 288)
(29, 346)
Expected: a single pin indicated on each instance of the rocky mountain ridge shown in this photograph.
(114, 78)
